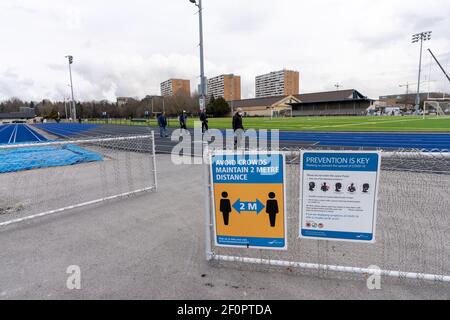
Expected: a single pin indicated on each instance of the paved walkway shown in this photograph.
(152, 247)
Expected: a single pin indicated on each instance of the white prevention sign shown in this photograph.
(338, 195)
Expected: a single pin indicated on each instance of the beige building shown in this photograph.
(176, 87)
(330, 103)
(265, 107)
(124, 100)
(227, 86)
(278, 83)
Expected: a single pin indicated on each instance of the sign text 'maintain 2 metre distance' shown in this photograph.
(248, 192)
(338, 195)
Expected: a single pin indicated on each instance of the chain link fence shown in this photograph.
(63, 175)
(413, 227)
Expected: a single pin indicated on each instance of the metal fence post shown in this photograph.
(207, 203)
(154, 160)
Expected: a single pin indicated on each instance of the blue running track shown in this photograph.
(428, 141)
(19, 133)
(18, 159)
(66, 129)
(423, 141)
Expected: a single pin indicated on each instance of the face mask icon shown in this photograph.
(351, 188)
(366, 187)
(312, 186)
(338, 187)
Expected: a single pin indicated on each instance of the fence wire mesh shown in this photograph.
(413, 224)
(121, 166)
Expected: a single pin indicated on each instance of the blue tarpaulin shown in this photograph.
(18, 159)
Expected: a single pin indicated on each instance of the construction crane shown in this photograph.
(440, 66)
(410, 84)
(407, 86)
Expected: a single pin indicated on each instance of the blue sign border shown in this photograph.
(252, 242)
(343, 161)
(252, 174)
(337, 235)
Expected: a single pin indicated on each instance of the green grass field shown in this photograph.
(373, 123)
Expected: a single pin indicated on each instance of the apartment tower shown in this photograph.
(176, 87)
(227, 86)
(278, 83)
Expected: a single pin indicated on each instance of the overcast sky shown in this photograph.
(126, 48)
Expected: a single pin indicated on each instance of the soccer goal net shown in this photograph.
(439, 108)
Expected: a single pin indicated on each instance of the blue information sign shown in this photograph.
(338, 198)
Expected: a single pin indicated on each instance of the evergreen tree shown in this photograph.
(218, 107)
(210, 105)
(221, 107)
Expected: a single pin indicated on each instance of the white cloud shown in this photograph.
(128, 48)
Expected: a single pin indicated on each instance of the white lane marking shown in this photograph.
(12, 134)
(26, 126)
(15, 135)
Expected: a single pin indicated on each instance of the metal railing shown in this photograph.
(413, 239)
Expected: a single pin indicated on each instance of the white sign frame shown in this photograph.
(374, 198)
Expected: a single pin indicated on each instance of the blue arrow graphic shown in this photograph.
(241, 206)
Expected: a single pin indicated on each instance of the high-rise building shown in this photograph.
(227, 86)
(175, 87)
(278, 83)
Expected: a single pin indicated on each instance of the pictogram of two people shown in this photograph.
(271, 208)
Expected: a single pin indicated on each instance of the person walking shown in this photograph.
(238, 127)
(162, 122)
(204, 120)
(182, 119)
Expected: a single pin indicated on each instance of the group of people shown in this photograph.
(163, 123)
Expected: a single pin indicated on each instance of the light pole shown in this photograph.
(70, 58)
(202, 108)
(65, 108)
(423, 36)
(202, 62)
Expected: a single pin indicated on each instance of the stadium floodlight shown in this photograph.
(74, 109)
(423, 36)
(202, 61)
